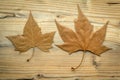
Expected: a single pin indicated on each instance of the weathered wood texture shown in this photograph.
(55, 65)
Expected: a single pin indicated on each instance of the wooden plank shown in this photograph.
(55, 65)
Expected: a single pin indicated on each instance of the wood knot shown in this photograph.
(40, 76)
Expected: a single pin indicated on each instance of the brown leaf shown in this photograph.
(32, 37)
(83, 38)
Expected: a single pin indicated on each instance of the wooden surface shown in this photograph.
(55, 65)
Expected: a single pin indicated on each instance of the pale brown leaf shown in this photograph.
(32, 37)
(83, 38)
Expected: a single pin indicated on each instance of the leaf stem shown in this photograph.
(74, 68)
(31, 55)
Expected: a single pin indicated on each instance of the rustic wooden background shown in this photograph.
(55, 65)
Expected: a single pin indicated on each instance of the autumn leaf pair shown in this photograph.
(83, 39)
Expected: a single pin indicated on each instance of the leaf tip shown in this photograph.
(107, 22)
(70, 53)
(56, 22)
(30, 15)
(110, 49)
(80, 14)
(6, 36)
(17, 50)
(30, 12)
(56, 45)
(98, 55)
(78, 6)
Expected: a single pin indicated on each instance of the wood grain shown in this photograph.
(55, 65)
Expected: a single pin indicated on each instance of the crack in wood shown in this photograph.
(39, 76)
(94, 61)
(9, 14)
(112, 3)
(25, 79)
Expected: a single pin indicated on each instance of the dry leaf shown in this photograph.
(84, 38)
(32, 37)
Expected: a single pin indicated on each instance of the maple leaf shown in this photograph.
(31, 38)
(84, 39)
